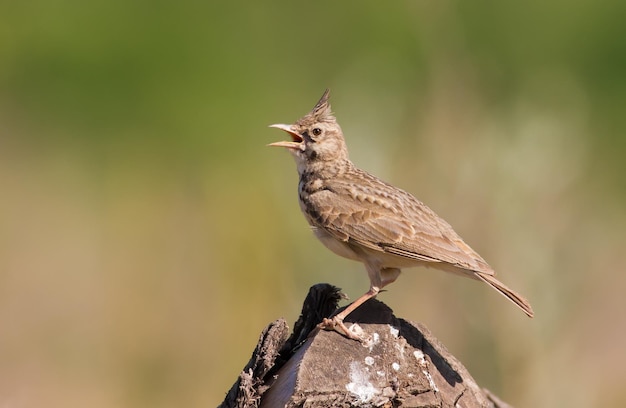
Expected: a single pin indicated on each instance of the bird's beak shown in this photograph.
(296, 139)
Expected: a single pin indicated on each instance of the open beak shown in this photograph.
(296, 139)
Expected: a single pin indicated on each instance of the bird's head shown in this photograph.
(316, 137)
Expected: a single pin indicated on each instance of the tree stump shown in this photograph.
(402, 365)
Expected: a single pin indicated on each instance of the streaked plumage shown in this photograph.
(358, 216)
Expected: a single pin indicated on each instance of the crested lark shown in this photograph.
(360, 217)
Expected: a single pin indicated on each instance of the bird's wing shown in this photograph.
(381, 217)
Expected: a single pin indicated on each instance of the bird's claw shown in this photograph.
(337, 325)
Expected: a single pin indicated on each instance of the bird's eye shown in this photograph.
(316, 131)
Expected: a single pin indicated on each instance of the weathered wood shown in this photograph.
(274, 348)
(401, 364)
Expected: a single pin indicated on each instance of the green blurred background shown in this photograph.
(147, 235)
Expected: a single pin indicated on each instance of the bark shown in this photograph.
(402, 365)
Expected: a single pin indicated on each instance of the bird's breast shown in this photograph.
(339, 247)
(309, 185)
(311, 212)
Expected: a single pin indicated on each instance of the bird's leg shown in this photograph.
(336, 322)
(379, 278)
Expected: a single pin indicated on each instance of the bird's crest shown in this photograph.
(321, 112)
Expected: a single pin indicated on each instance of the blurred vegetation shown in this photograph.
(147, 235)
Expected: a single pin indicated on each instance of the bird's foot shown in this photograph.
(354, 332)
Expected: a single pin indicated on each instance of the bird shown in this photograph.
(360, 217)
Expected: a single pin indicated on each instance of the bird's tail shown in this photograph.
(506, 292)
